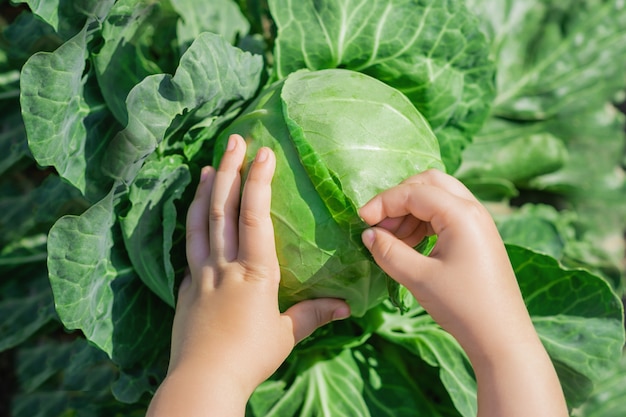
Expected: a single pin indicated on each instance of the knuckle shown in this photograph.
(192, 233)
(250, 219)
(430, 174)
(260, 273)
(322, 316)
(216, 214)
(475, 211)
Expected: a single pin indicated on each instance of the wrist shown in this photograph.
(192, 390)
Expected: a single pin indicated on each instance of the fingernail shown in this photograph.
(261, 155)
(341, 313)
(204, 174)
(368, 236)
(232, 143)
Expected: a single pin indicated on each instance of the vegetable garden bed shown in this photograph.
(108, 109)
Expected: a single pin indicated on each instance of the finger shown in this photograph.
(425, 202)
(399, 260)
(224, 206)
(256, 233)
(197, 240)
(444, 181)
(308, 315)
(407, 228)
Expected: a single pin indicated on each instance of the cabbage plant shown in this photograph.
(340, 137)
(119, 103)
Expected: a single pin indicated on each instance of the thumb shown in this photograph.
(396, 258)
(308, 315)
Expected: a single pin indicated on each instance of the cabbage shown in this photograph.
(340, 137)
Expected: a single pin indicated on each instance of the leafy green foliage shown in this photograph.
(432, 51)
(109, 109)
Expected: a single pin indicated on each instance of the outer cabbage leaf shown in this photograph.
(324, 385)
(578, 317)
(223, 17)
(68, 17)
(96, 290)
(432, 51)
(26, 303)
(149, 225)
(554, 56)
(590, 182)
(505, 151)
(212, 79)
(607, 398)
(418, 333)
(60, 378)
(132, 32)
(327, 167)
(66, 122)
(369, 380)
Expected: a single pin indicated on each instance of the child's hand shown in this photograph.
(467, 283)
(468, 286)
(228, 334)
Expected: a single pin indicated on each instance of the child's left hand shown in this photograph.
(228, 334)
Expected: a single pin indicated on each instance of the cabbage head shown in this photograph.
(340, 137)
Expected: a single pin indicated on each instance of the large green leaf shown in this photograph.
(367, 380)
(149, 225)
(539, 227)
(26, 304)
(68, 17)
(212, 78)
(324, 384)
(434, 52)
(66, 123)
(61, 378)
(13, 144)
(400, 384)
(26, 35)
(27, 213)
(97, 291)
(577, 315)
(418, 333)
(507, 151)
(218, 16)
(555, 56)
(137, 37)
(607, 398)
(146, 37)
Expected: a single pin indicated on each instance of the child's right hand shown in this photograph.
(467, 285)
